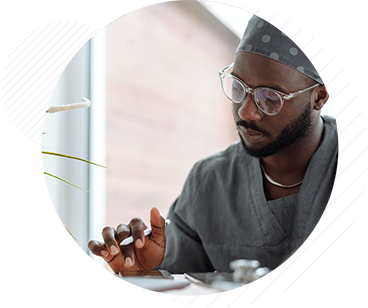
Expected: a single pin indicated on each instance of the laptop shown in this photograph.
(55, 284)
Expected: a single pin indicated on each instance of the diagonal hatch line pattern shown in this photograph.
(51, 30)
(341, 143)
(46, 53)
(37, 57)
(42, 48)
(76, 40)
(49, 76)
(247, 287)
(57, 76)
(55, 44)
(308, 246)
(47, 95)
(72, 52)
(44, 106)
(50, 23)
(63, 44)
(332, 202)
(67, 50)
(341, 234)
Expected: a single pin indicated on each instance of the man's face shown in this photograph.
(262, 135)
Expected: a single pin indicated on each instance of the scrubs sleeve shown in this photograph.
(184, 249)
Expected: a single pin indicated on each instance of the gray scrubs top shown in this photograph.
(223, 215)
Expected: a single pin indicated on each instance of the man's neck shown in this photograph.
(290, 165)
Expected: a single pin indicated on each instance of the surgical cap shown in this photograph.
(296, 33)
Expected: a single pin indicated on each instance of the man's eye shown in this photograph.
(273, 98)
(237, 86)
(275, 101)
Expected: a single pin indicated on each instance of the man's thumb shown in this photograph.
(157, 225)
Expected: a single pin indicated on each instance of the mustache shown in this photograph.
(253, 126)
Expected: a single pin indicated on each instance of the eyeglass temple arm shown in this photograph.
(292, 95)
(226, 68)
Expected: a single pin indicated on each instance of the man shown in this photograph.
(261, 197)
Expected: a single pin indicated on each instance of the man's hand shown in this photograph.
(145, 253)
(322, 278)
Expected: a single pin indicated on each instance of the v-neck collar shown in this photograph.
(268, 222)
(308, 208)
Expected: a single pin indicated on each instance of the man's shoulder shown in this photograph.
(331, 122)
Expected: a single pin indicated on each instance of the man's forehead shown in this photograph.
(256, 70)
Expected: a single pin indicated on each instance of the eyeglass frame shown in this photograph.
(249, 90)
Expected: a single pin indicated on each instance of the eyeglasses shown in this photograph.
(269, 101)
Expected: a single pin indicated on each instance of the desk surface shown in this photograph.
(74, 281)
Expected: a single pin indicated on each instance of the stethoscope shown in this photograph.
(247, 274)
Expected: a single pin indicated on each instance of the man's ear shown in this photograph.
(320, 97)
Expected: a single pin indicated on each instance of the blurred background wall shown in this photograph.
(164, 105)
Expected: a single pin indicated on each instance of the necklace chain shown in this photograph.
(277, 183)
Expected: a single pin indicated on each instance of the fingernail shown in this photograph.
(104, 253)
(138, 243)
(128, 261)
(113, 249)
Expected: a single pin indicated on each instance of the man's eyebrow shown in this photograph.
(278, 88)
(274, 87)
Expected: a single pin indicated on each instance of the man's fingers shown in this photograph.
(109, 236)
(123, 231)
(157, 225)
(128, 255)
(137, 227)
(98, 249)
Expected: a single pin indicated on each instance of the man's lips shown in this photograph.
(250, 131)
(250, 135)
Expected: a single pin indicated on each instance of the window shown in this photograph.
(68, 133)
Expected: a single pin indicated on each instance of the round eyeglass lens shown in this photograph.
(268, 101)
(233, 89)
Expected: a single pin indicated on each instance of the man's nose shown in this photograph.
(248, 110)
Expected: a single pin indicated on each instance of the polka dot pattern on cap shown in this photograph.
(308, 32)
(293, 51)
(248, 47)
(266, 38)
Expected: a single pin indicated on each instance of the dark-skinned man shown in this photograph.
(261, 197)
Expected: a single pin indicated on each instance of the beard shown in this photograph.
(292, 133)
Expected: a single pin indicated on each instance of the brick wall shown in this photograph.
(165, 106)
